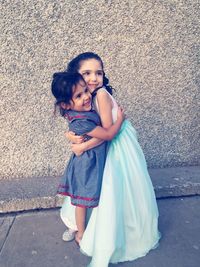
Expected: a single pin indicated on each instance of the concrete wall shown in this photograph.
(151, 55)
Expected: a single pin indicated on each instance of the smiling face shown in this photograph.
(92, 72)
(81, 99)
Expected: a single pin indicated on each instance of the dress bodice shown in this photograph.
(114, 105)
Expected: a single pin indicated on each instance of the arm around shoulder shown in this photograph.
(109, 133)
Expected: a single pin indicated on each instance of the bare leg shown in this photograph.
(80, 222)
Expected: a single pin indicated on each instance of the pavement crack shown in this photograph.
(7, 233)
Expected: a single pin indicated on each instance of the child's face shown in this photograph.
(92, 72)
(81, 99)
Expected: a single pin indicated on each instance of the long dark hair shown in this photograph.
(74, 66)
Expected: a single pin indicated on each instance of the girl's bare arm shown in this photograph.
(73, 138)
(78, 149)
(109, 133)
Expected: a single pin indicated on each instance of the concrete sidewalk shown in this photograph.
(40, 192)
(33, 239)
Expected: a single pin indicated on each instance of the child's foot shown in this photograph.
(78, 238)
(68, 235)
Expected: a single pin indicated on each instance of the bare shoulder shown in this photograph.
(103, 95)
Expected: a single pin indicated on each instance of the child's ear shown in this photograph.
(65, 106)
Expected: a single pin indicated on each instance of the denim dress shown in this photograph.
(82, 178)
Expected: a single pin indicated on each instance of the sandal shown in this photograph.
(68, 235)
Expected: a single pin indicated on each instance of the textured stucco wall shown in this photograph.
(151, 52)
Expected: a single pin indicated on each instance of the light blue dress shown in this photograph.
(83, 174)
(124, 226)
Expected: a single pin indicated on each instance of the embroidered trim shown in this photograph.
(70, 118)
(78, 197)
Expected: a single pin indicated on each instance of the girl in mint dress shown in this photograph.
(124, 226)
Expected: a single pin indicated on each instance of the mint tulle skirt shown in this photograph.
(124, 226)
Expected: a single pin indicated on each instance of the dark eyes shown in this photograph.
(100, 73)
(85, 91)
(86, 73)
(78, 96)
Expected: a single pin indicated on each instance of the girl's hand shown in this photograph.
(75, 139)
(78, 149)
(120, 114)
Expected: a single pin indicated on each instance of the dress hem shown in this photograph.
(154, 246)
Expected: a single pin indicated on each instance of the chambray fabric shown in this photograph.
(83, 175)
